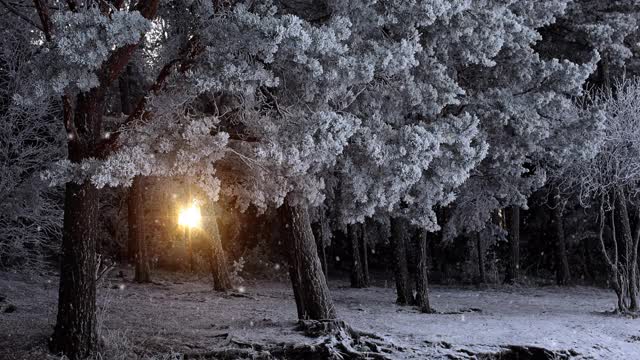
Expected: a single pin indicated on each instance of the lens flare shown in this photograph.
(190, 217)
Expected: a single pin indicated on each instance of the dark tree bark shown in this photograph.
(563, 276)
(322, 253)
(365, 258)
(357, 275)
(125, 90)
(192, 259)
(132, 241)
(310, 289)
(136, 244)
(317, 228)
(137, 236)
(399, 233)
(422, 279)
(513, 268)
(75, 333)
(482, 276)
(218, 260)
(75, 330)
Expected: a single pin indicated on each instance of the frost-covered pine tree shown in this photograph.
(519, 99)
(609, 27)
(78, 51)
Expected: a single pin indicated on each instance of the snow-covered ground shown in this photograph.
(180, 314)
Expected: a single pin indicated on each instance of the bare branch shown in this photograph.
(20, 15)
(45, 19)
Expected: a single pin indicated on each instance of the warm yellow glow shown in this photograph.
(190, 217)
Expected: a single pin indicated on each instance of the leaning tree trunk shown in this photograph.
(513, 268)
(422, 280)
(563, 276)
(137, 231)
(310, 289)
(357, 275)
(218, 260)
(482, 275)
(400, 269)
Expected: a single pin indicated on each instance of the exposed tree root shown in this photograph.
(336, 340)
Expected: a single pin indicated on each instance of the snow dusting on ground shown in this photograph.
(179, 314)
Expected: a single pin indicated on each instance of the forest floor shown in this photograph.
(180, 314)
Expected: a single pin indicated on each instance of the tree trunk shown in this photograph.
(218, 260)
(323, 259)
(317, 229)
(357, 275)
(401, 271)
(137, 234)
(310, 289)
(124, 86)
(365, 258)
(75, 331)
(422, 280)
(563, 276)
(482, 276)
(513, 268)
(630, 249)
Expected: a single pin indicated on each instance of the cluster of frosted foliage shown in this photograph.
(30, 138)
(607, 26)
(168, 147)
(487, 48)
(415, 91)
(83, 41)
(520, 102)
(392, 104)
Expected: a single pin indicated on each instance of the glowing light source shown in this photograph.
(190, 217)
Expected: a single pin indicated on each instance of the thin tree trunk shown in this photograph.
(137, 236)
(401, 272)
(365, 258)
(323, 260)
(482, 276)
(75, 331)
(422, 279)
(218, 260)
(317, 229)
(513, 268)
(310, 289)
(357, 275)
(563, 276)
(135, 216)
(617, 283)
(630, 262)
(124, 86)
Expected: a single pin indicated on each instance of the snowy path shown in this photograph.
(179, 314)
